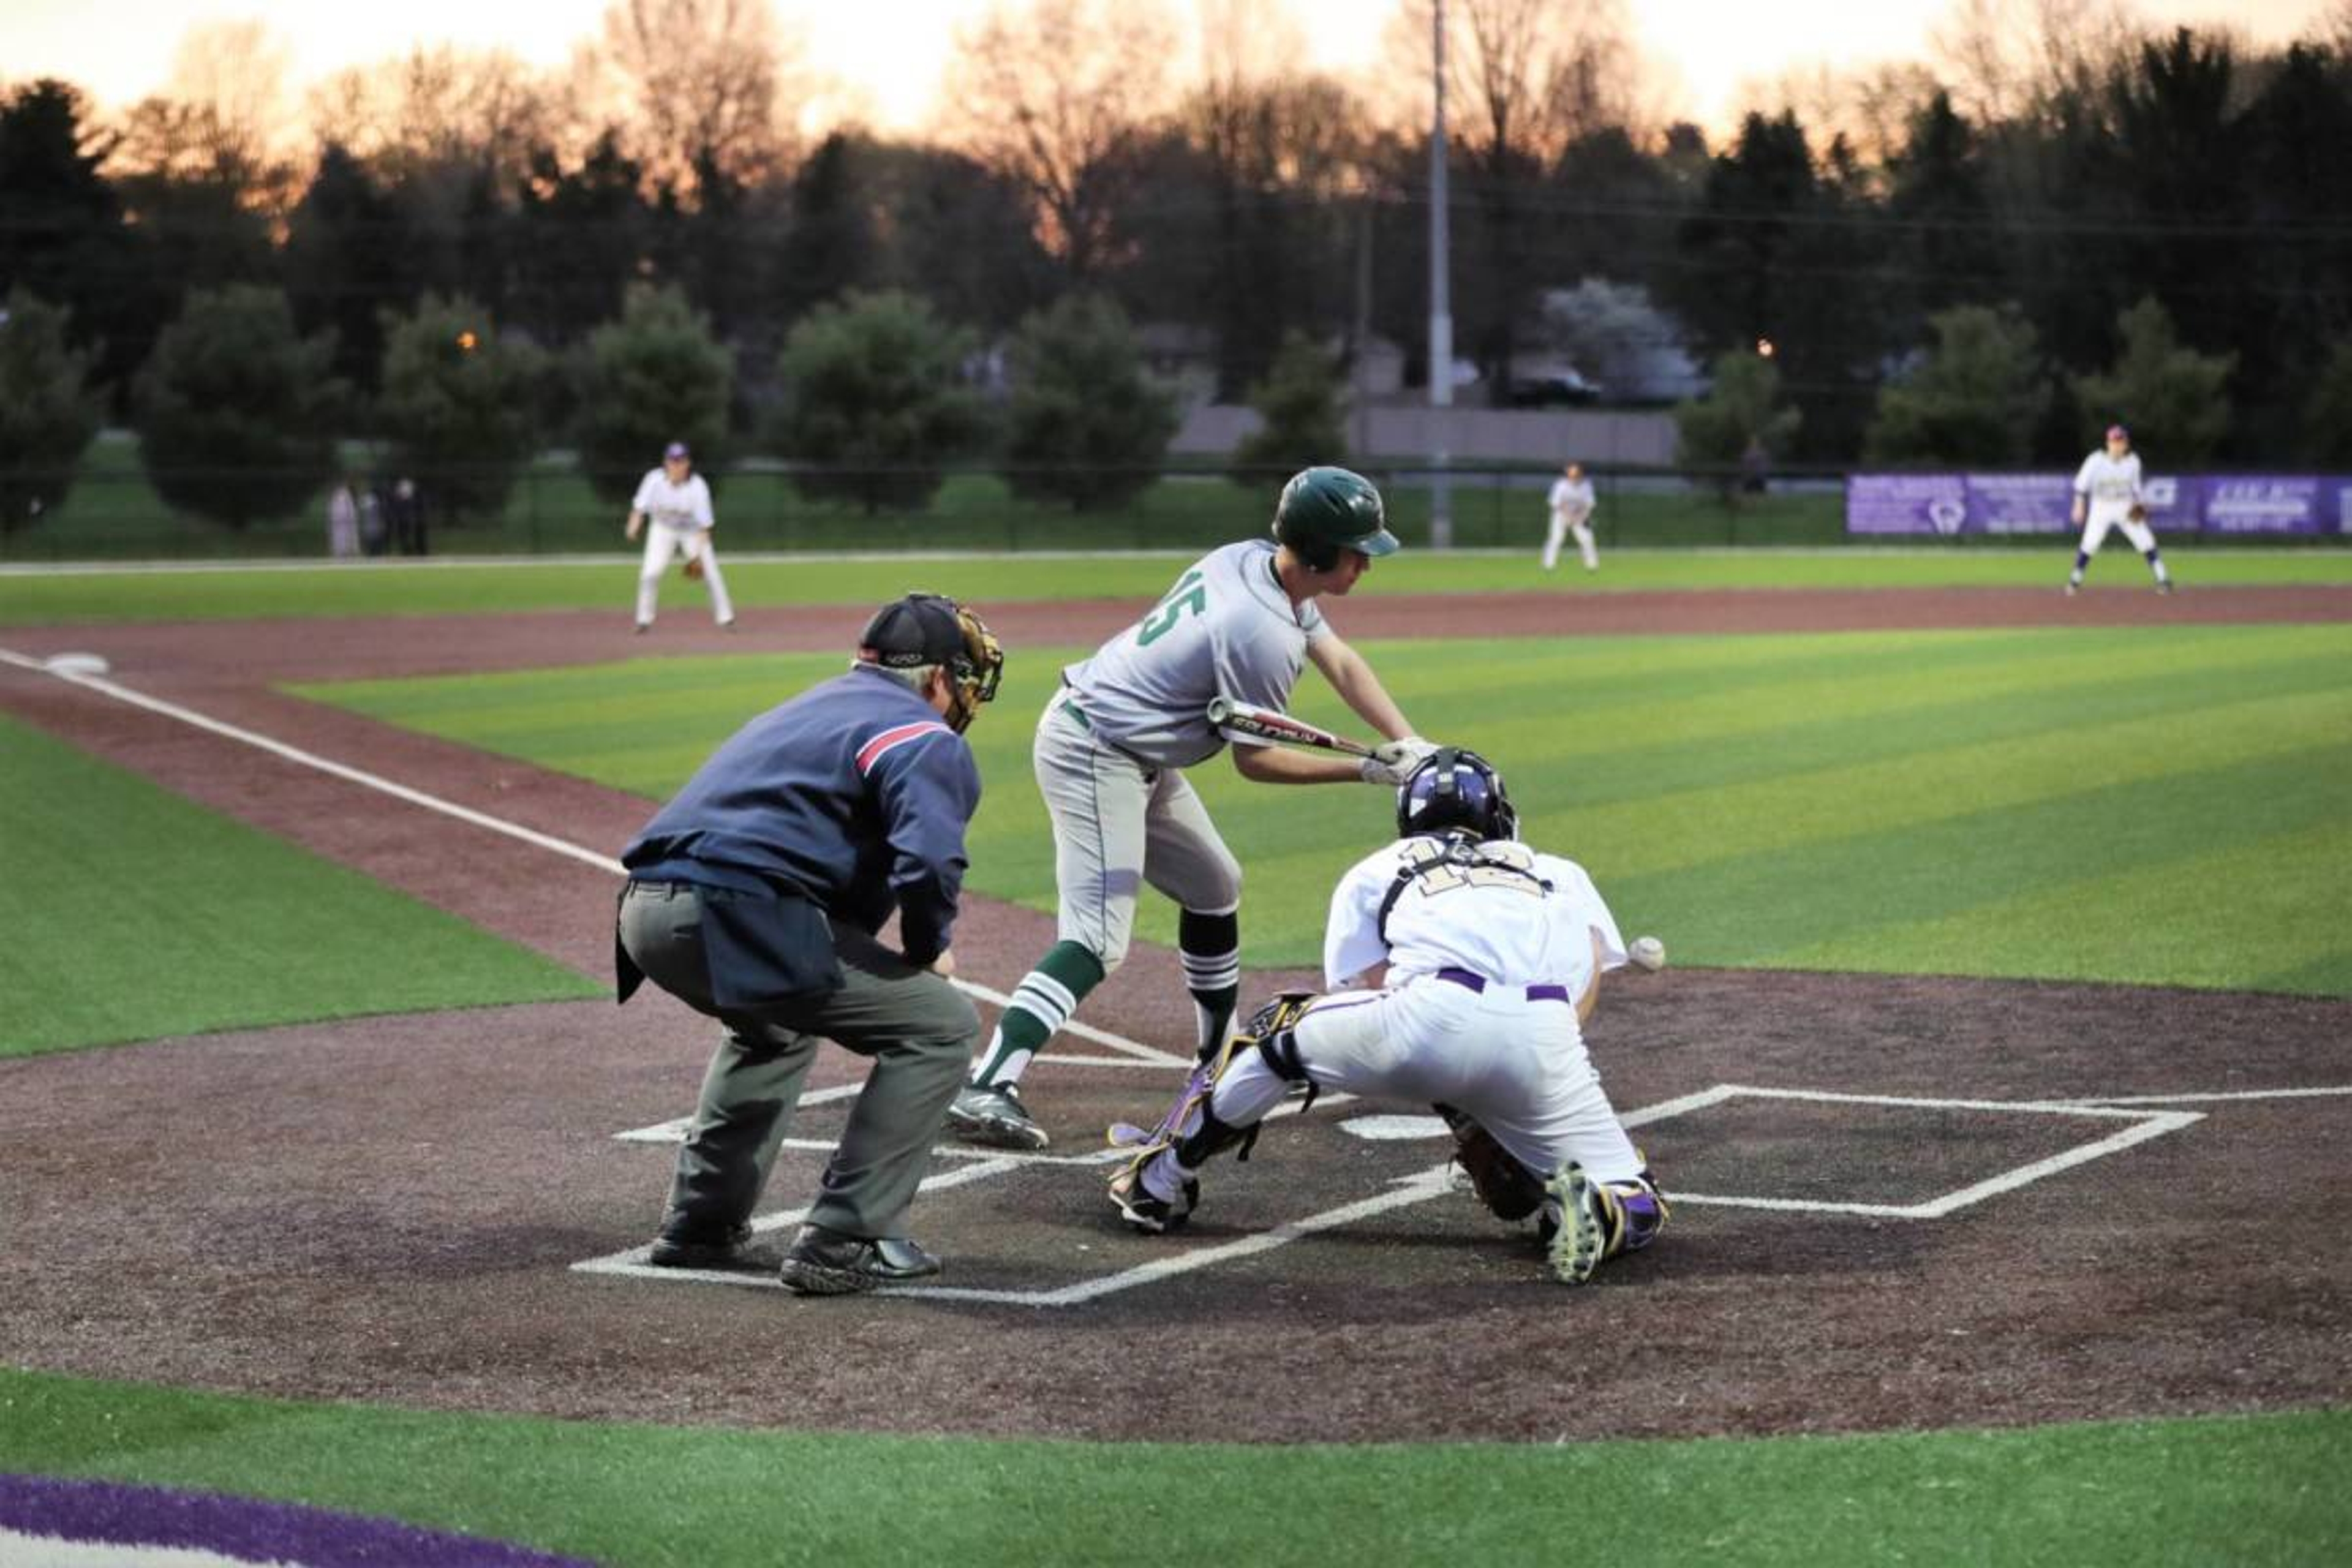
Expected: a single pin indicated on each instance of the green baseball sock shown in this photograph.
(1211, 945)
(1042, 1004)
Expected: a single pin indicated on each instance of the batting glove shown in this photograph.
(1392, 762)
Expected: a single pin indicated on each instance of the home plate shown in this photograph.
(1395, 1129)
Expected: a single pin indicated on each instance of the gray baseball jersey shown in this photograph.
(1227, 628)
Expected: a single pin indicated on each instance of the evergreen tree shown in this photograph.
(654, 376)
(2170, 396)
(2328, 414)
(1743, 407)
(347, 252)
(456, 403)
(874, 397)
(47, 413)
(1975, 400)
(237, 410)
(1085, 426)
(1299, 403)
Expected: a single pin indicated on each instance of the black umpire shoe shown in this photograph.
(682, 1244)
(826, 1263)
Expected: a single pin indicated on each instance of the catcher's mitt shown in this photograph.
(1508, 1188)
(694, 568)
(2138, 512)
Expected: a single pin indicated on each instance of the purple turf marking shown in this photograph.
(244, 1527)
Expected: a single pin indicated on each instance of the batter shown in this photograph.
(1111, 750)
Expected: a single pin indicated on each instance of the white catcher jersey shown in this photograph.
(1573, 496)
(1500, 909)
(1227, 628)
(2112, 483)
(681, 507)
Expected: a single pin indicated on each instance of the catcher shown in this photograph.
(1486, 957)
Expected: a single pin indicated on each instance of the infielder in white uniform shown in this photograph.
(2107, 495)
(1110, 755)
(676, 503)
(1571, 512)
(1486, 957)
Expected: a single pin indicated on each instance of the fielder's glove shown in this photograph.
(2138, 512)
(694, 568)
(1391, 761)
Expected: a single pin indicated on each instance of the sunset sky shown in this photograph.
(891, 51)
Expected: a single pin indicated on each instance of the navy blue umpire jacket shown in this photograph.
(855, 793)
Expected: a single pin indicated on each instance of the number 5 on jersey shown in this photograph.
(1189, 596)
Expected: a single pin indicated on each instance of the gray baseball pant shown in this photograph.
(918, 1029)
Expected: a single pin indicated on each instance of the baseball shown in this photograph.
(1648, 951)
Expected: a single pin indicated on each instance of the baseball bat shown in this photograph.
(1265, 724)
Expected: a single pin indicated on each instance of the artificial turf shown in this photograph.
(2247, 1490)
(133, 914)
(457, 587)
(2154, 805)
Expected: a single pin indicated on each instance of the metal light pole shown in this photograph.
(1440, 302)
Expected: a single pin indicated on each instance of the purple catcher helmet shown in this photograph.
(1453, 790)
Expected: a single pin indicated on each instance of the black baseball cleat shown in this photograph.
(826, 1263)
(992, 1114)
(681, 1244)
(1145, 1210)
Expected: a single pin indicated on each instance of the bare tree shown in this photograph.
(434, 107)
(2018, 59)
(1056, 97)
(1871, 107)
(223, 119)
(702, 85)
(1524, 77)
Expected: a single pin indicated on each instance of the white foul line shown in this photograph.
(296, 754)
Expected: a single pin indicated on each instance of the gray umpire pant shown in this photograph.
(918, 1029)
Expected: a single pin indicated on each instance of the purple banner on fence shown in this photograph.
(1944, 504)
(1905, 503)
(2021, 503)
(2267, 504)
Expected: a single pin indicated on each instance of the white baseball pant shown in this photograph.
(1516, 1064)
(1562, 525)
(2094, 531)
(665, 544)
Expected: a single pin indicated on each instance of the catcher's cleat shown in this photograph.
(1142, 1209)
(826, 1263)
(992, 1114)
(683, 1244)
(1585, 1221)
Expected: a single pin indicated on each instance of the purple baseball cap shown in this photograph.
(675, 449)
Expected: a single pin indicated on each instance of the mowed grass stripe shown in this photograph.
(2170, 921)
(2244, 1489)
(1840, 769)
(1792, 908)
(340, 590)
(133, 914)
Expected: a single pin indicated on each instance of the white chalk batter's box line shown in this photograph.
(1421, 1187)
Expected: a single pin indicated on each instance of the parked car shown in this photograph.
(1552, 388)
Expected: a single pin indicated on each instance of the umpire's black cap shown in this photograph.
(908, 633)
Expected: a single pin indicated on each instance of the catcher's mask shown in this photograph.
(1453, 790)
(931, 628)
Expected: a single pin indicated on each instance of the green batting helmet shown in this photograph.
(1325, 511)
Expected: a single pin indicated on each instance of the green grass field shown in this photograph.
(2243, 1490)
(2026, 804)
(385, 588)
(171, 921)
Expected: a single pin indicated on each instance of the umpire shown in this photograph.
(754, 898)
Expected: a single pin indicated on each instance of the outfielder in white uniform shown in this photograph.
(1110, 755)
(672, 509)
(1487, 957)
(1571, 512)
(2107, 495)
